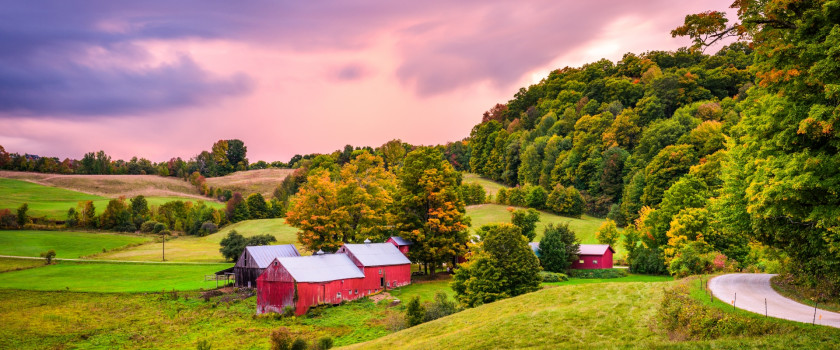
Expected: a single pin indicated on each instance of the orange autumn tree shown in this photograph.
(349, 209)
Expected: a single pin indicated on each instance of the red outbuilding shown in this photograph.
(594, 256)
(383, 265)
(306, 281)
(401, 243)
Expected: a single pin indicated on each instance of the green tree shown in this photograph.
(233, 245)
(664, 169)
(608, 233)
(257, 207)
(237, 209)
(415, 313)
(559, 248)
(428, 209)
(139, 210)
(503, 267)
(526, 220)
(537, 197)
(117, 216)
(48, 256)
(22, 217)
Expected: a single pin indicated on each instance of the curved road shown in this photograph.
(753, 288)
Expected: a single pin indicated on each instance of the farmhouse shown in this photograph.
(594, 256)
(401, 243)
(304, 281)
(255, 259)
(383, 265)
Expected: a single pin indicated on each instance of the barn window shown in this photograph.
(594, 261)
(357, 291)
(380, 271)
(580, 261)
(338, 295)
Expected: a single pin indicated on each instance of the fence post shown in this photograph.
(765, 307)
(733, 301)
(815, 313)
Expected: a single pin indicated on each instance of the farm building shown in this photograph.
(401, 243)
(255, 259)
(383, 265)
(305, 281)
(594, 256)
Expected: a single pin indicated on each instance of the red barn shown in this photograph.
(383, 265)
(305, 281)
(594, 256)
(255, 259)
(401, 243)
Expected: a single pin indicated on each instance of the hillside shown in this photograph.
(111, 185)
(262, 181)
(606, 315)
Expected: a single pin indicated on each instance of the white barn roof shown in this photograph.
(400, 241)
(321, 268)
(594, 249)
(263, 255)
(376, 254)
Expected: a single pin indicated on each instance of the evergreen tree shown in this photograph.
(559, 248)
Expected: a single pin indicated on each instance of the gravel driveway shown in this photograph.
(753, 288)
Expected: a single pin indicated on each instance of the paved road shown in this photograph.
(753, 288)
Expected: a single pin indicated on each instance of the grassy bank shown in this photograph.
(66, 244)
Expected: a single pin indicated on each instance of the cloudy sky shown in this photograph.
(159, 79)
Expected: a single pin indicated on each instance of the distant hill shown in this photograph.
(263, 181)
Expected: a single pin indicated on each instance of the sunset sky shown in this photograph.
(160, 79)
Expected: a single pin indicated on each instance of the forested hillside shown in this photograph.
(706, 158)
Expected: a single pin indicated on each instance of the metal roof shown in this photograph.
(321, 268)
(594, 249)
(377, 254)
(400, 240)
(263, 255)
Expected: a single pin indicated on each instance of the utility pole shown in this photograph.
(163, 250)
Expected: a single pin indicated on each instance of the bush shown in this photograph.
(415, 313)
(598, 273)
(516, 196)
(299, 344)
(48, 256)
(203, 345)
(148, 226)
(440, 307)
(553, 276)
(324, 343)
(685, 318)
(281, 339)
(207, 228)
(537, 197)
(647, 261)
(395, 322)
(159, 227)
(502, 196)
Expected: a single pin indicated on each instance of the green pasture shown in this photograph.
(112, 277)
(53, 202)
(492, 187)
(65, 243)
(204, 249)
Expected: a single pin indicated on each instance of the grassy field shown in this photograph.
(492, 187)
(12, 264)
(53, 202)
(204, 249)
(584, 227)
(112, 277)
(111, 185)
(262, 181)
(66, 244)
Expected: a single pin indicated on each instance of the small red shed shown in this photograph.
(594, 256)
(305, 281)
(401, 243)
(383, 265)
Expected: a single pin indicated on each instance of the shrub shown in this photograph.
(48, 256)
(159, 227)
(203, 345)
(598, 273)
(148, 226)
(299, 344)
(415, 313)
(440, 307)
(685, 318)
(537, 197)
(502, 196)
(646, 260)
(324, 343)
(395, 322)
(208, 227)
(516, 196)
(281, 339)
(7, 219)
(553, 276)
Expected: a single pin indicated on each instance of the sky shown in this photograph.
(161, 79)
